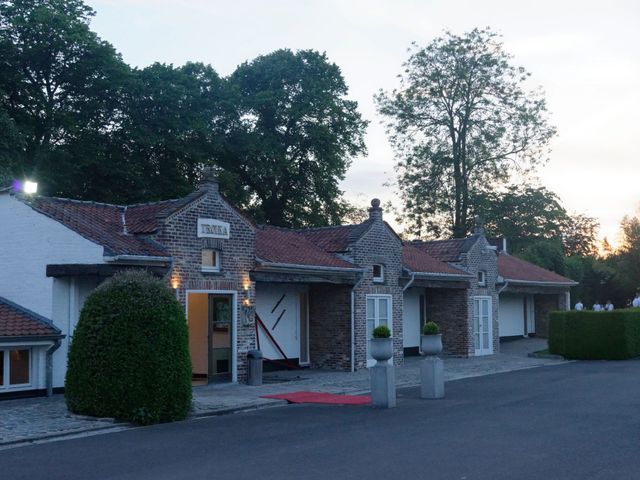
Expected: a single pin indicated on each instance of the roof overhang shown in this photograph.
(530, 283)
(31, 339)
(289, 273)
(101, 269)
(137, 259)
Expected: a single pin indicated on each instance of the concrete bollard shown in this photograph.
(383, 386)
(432, 378)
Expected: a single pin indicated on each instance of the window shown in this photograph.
(210, 260)
(378, 312)
(482, 278)
(378, 273)
(15, 368)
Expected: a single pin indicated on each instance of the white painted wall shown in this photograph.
(287, 331)
(511, 315)
(411, 317)
(28, 242)
(68, 297)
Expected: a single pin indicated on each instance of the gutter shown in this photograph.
(136, 258)
(312, 268)
(49, 365)
(353, 321)
(541, 284)
(29, 339)
(454, 277)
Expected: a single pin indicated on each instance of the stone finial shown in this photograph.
(375, 212)
(479, 225)
(210, 178)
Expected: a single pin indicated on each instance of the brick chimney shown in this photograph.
(210, 179)
(375, 212)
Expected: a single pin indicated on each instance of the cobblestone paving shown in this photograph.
(26, 419)
(37, 418)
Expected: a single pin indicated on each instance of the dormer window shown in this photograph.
(482, 278)
(378, 273)
(210, 260)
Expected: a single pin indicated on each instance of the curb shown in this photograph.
(61, 435)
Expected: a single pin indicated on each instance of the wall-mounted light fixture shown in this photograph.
(248, 312)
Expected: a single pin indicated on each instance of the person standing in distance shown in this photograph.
(579, 306)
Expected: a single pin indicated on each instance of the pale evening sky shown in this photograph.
(583, 54)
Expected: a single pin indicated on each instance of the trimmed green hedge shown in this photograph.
(129, 358)
(590, 335)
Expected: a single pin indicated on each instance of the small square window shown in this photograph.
(378, 273)
(482, 278)
(210, 260)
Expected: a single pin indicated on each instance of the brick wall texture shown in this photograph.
(330, 326)
(379, 245)
(179, 236)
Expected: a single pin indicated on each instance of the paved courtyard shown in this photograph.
(39, 418)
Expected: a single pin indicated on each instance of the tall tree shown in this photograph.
(526, 214)
(461, 122)
(59, 83)
(173, 123)
(292, 139)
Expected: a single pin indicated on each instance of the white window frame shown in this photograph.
(376, 316)
(4, 350)
(482, 274)
(216, 257)
(489, 350)
(380, 278)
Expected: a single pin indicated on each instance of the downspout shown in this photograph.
(49, 365)
(413, 278)
(353, 322)
(506, 284)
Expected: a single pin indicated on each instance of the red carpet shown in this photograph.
(319, 397)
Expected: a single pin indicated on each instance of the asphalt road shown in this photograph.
(575, 421)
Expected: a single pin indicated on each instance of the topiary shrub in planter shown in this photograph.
(431, 339)
(129, 358)
(430, 328)
(381, 345)
(381, 331)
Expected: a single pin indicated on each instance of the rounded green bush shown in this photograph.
(381, 331)
(129, 358)
(430, 328)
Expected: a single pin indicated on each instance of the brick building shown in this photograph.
(304, 297)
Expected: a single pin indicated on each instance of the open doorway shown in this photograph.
(211, 318)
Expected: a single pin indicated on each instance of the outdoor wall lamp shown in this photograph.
(247, 312)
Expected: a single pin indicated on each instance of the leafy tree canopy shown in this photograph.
(293, 137)
(461, 123)
(59, 83)
(526, 214)
(75, 117)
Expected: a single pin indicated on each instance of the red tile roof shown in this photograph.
(446, 250)
(278, 245)
(143, 218)
(104, 224)
(16, 321)
(336, 238)
(514, 268)
(419, 261)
